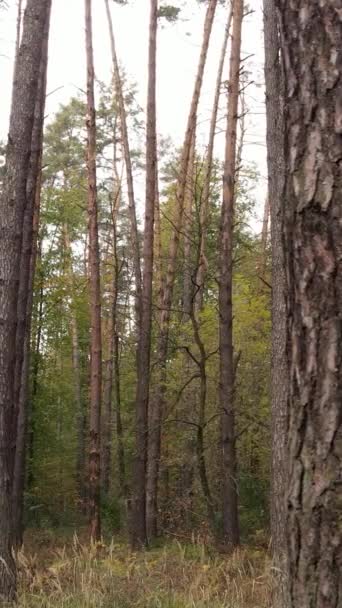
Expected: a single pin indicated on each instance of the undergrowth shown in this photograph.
(110, 576)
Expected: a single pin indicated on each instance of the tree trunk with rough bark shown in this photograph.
(157, 403)
(13, 203)
(95, 295)
(231, 534)
(139, 529)
(279, 370)
(311, 42)
(25, 292)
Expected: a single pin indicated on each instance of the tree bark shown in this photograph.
(231, 534)
(311, 38)
(139, 531)
(13, 203)
(279, 370)
(95, 294)
(25, 293)
(157, 404)
(204, 212)
(129, 170)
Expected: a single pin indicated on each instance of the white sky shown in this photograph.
(178, 51)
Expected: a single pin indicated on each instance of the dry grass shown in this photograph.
(176, 576)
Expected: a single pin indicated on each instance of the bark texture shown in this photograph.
(95, 295)
(25, 292)
(157, 403)
(12, 210)
(311, 44)
(231, 534)
(279, 370)
(139, 529)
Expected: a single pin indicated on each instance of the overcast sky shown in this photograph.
(178, 52)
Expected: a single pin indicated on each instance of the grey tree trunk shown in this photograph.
(12, 210)
(95, 295)
(279, 371)
(311, 41)
(231, 534)
(139, 528)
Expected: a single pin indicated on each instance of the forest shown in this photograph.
(170, 317)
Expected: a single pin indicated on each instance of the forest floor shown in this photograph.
(176, 575)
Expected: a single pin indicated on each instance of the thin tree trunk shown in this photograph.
(13, 202)
(76, 366)
(202, 467)
(231, 535)
(18, 33)
(204, 212)
(129, 170)
(35, 365)
(157, 404)
(139, 535)
(188, 209)
(311, 41)
(279, 371)
(95, 294)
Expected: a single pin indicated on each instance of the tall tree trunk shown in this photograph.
(226, 389)
(264, 236)
(188, 209)
(280, 370)
(139, 535)
(95, 294)
(25, 292)
(111, 334)
(204, 211)
(76, 366)
(13, 203)
(157, 403)
(129, 170)
(311, 39)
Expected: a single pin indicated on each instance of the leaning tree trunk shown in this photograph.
(279, 371)
(311, 42)
(157, 403)
(129, 171)
(231, 535)
(13, 202)
(204, 211)
(139, 535)
(95, 294)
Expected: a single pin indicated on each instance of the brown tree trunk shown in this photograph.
(139, 535)
(311, 39)
(231, 534)
(95, 294)
(13, 202)
(202, 264)
(157, 404)
(129, 170)
(279, 370)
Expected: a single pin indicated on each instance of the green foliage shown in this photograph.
(169, 12)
